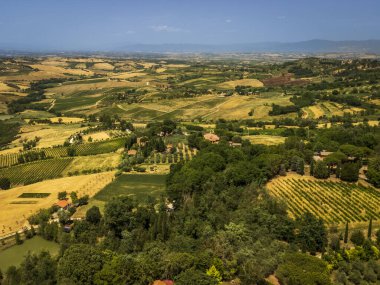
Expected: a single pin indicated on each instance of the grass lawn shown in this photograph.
(138, 186)
(134, 185)
(15, 254)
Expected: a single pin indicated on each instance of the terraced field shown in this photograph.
(333, 201)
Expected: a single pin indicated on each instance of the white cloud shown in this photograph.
(130, 32)
(165, 28)
(228, 21)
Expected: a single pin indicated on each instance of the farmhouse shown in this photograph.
(163, 282)
(211, 138)
(319, 156)
(63, 204)
(132, 152)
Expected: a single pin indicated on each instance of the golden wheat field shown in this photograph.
(242, 82)
(14, 211)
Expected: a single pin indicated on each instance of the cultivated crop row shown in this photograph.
(32, 172)
(94, 148)
(182, 153)
(335, 202)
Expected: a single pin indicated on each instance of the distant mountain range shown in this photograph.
(312, 46)
(308, 47)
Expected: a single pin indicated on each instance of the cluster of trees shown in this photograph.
(357, 264)
(29, 144)
(248, 90)
(221, 225)
(281, 110)
(8, 131)
(31, 156)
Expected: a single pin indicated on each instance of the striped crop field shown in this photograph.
(333, 201)
(32, 172)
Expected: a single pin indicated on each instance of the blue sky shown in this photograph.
(96, 24)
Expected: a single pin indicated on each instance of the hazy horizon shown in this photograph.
(102, 25)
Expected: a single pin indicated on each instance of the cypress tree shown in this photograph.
(312, 168)
(346, 233)
(369, 229)
(18, 238)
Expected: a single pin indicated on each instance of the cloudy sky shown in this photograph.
(108, 24)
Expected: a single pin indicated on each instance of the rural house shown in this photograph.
(211, 138)
(63, 204)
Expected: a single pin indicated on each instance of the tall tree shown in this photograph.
(79, 264)
(369, 233)
(345, 240)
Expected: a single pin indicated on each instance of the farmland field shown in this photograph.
(10, 205)
(333, 201)
(35, 171)
(138, 186)
(98, 162)
(134, 185)
(265, 139)
(15, 255)
(208, 107)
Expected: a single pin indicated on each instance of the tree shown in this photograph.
(312, 234)
(373, 173)
(18, 238)
(215, 274)
(302, 269)
(71, 151)
(74, 197)
(378, 237)
(5, 183)
(357, 237)
(83, 200)
(79, 264)
(38, 269)
(12, 276)
(93, 215)
(118, 214)
(62, 195)
(349, 172)
(120, 270)
(193, 276)
(320, 170)
(312, 167)
(369, 233)
(300, 169)
(63, 216)
(345, 240)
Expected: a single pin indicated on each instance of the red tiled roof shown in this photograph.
(132, 152)
(62, 203)
(211, 137)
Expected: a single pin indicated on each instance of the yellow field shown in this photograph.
(242, 82)
(209, 107)
(126, 75)
(103, 66)
(328, 109)
(100, 161)
(72, 88)
(58, 70)
(238, 107)
(265, 139)
(97, 136)
(5, 88)
(66, 120)
(14, 216)
(50, 134)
